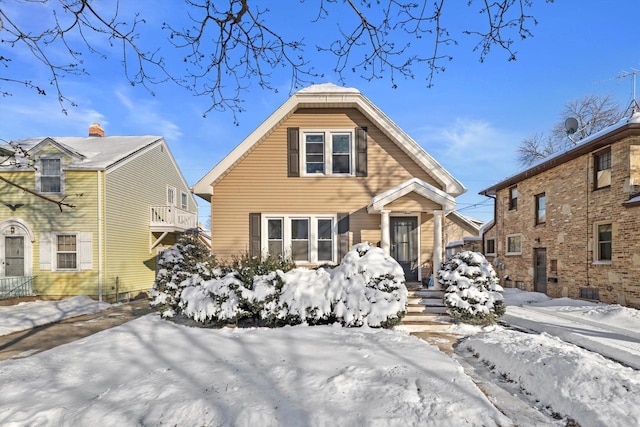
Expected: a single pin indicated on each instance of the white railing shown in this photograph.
(170, 217)
(14, 287)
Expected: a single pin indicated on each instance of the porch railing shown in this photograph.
(13, 287)
(172, 218)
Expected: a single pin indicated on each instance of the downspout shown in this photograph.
(99, 237)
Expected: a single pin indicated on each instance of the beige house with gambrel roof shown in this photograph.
(326, 170)
(125, 199)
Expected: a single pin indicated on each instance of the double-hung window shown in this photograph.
(604, 238)
(50, 176)
(303, 238)
(184, 202)
(171, 196)
(513, 198)
(602, 169)
(541, 209)
(514, 244)
(300, 239)
(275, 237)
(490, 247)
(328, 152)
(66, 252)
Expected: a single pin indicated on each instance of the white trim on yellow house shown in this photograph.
(329, 95)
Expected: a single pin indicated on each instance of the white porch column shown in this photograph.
(385, 241)
(437, 246)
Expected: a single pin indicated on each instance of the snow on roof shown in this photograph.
(330, 95)
(539, 166)
(93, 152)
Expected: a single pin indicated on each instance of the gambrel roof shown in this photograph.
(328, 95)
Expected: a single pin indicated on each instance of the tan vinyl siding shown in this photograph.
(259, 182)
(44, 216)
(412, 202)
(130, 191)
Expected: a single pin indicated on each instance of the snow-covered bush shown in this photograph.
(184, 265)
(366, 288)
(472, 294)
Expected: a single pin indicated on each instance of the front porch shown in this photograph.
(411, 226)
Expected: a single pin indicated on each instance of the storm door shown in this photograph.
(404, 245)
(14, 256)
(540, 270)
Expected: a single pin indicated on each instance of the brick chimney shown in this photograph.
(96, 130)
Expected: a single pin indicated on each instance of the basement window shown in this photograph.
(589, 293)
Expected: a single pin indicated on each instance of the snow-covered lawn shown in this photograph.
(28, 315)
(155, 372)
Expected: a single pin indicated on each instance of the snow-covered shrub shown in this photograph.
(185, 264)
(366, 288)
(246, 267)
(472, 294)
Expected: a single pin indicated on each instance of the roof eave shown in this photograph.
(616, 134)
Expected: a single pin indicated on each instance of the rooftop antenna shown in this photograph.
(634, 106)
(571, 126)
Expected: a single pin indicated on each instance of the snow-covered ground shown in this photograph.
(156, 372)
(28, 315)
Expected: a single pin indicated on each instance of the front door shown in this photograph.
(404, 245)
(540, 270)
(14, 256)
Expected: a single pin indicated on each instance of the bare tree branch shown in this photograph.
(227, 45)
(593, 114)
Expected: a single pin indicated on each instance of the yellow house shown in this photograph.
(87, 215)
(327, 170)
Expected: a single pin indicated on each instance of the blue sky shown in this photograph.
(471, 121)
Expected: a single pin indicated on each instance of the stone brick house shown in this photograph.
(570, 225)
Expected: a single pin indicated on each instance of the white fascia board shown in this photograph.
(412, 148)
(416, 185)
(337, 98)
(204, 186)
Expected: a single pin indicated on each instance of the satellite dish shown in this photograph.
(571, 125)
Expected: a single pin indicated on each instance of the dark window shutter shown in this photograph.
(343, 235)
(254, 234)
(293, 151)
(361, 151)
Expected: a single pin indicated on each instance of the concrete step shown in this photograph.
(424, 293)
(424, 322)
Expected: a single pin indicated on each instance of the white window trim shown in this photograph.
(494, 246)
(49, 250)
(313, 235)
(507, 244)
(175, 196)
(185, 198)
(596, 244)
(55, 252)
(328, 151)
(39, 175)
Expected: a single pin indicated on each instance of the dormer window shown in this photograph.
(49, 176)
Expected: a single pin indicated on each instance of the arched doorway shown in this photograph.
(16, 242)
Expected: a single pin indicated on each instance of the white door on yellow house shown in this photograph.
(13, 256)
(404, 245)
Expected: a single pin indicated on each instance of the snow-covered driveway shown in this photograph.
(610, 330)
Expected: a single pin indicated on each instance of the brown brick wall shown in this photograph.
(573, 209)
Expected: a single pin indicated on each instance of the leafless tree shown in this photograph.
(229, 44)
(593, 113)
